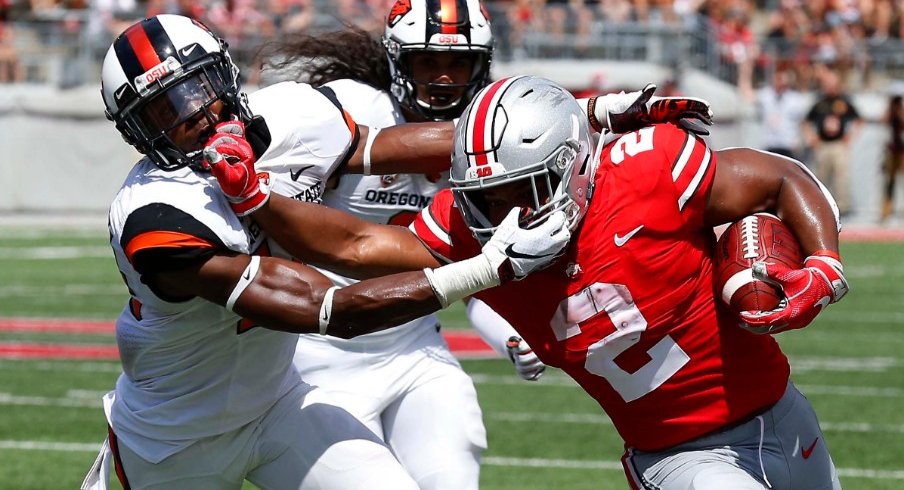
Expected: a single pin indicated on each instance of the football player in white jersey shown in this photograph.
(208, 396)
(403, 382)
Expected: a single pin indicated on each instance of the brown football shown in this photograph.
(758, 237)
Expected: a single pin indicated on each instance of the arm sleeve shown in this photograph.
(492, 328)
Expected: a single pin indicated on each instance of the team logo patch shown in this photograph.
(399, 9)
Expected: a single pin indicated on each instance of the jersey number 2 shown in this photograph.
(614, 300)
(632, 144)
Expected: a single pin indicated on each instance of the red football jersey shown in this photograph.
(630, 311)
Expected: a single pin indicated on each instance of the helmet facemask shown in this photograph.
(430, 27)
(548, 192)
(179, 99)
(158, 109)
(405, 85)
(528, 133)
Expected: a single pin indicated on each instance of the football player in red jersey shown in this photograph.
(629, 310)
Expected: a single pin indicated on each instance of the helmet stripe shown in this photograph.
(449, 16)
(142, 47)
(480, 120)
(159, 38)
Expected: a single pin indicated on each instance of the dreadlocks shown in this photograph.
(351, 53)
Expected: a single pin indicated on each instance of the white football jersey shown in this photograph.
(192, 368)
(387, 199)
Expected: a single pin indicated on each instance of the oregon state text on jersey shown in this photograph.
(629, 312)
(386, 199)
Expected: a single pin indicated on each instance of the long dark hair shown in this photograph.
(352, 53)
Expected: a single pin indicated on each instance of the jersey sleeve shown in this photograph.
(310, 130)
(442, 229)
(692, 165)
(159, 237)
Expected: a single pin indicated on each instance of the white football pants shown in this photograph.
(411, 391)
(303, 443)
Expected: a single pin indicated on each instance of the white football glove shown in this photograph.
(626, 112)
(527, 364)
(515, 252)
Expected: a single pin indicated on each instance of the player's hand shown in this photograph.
(230, 159)
(807, 292)
(527, 364)
(625, 112)
(515, 252)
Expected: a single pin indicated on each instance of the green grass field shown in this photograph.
(542, 435)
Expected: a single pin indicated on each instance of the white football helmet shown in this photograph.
(160, 73)
(522, 128)
(437, 25)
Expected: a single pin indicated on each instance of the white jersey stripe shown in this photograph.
(434, 227)
(695, 182)
(684, 157)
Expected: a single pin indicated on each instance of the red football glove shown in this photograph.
(807, 292)
(626, 112)
(230, 159)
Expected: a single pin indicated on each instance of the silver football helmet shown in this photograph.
(162, 72)
(522, 128)
(457, 26)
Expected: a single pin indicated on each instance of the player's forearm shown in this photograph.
(377, 304)
(381, 250)
(289, 297)
(340, 242)
(413, 148)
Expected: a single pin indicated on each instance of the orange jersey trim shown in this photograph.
(164, 239)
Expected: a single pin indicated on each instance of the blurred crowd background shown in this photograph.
(742, 41)
(799, 69)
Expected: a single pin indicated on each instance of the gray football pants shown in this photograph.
(781, 449)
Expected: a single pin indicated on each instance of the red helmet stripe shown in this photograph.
(480, 121)
(449, 16)
(141, 45)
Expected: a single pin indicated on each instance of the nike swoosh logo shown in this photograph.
(247, 275)
(621, 240)
(808, 451)
(512, 254)
(120, 92)
(188, 50)
(297, 173)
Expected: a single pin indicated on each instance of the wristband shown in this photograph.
(326, 309)
(594, 122)
(245, 280)
(371, 136)
(459, 280)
